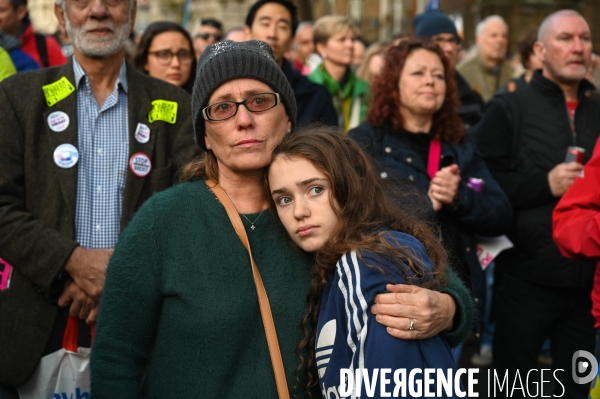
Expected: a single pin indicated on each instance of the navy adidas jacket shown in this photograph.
(349, 337)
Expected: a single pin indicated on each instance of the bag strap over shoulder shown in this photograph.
(263, 300)
(514, 108)
(433, 160)
(40, 42)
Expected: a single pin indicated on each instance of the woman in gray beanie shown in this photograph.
(179, 316)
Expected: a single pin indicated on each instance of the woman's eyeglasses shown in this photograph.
(165, 56)
(226, 109)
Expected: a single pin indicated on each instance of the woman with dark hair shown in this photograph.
(332, 203)
(415, 133)
(166, 52)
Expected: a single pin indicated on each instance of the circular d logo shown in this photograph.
(589, 366)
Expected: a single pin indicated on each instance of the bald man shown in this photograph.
(524, 137)
(488, 70)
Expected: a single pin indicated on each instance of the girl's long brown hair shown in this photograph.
(385, 106)
(365, 210)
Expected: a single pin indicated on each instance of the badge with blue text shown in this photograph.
(58, 121)
(66, 156)
(142, 133)
(140, 164)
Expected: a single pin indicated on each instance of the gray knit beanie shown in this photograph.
(228, 60)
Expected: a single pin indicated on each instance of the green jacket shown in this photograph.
(7, 67)
(37, 198)
(355, 93)
(180, 315)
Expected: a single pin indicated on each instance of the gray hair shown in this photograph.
(547, 22)
(484, 22)
(303, 25)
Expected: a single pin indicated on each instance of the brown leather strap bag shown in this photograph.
(263, 300)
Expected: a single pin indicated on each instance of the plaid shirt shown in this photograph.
(103, 150)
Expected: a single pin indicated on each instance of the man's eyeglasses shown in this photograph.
(165, 56)
(205, 36)
(441, 40)
(226, 109)
(85, 3)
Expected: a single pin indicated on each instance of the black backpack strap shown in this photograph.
(514, 107)
(40, 42)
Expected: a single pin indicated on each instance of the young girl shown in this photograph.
(331, 202)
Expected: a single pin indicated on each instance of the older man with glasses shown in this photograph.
(82, 147)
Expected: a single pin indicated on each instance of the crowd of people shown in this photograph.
(367, 178)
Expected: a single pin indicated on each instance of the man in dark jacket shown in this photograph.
(436, 25)
(86, 146)
(274, 22)
(524, 137)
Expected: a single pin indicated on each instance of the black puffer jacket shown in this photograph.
(313, 101)
(522, 136)
(471, 103)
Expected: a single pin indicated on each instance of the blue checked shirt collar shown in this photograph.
(80, 74)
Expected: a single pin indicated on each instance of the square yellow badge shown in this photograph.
(163, 110)
(58, 91)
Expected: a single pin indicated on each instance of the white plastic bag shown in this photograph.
(64, 374)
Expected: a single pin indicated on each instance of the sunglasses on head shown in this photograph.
(205, 36)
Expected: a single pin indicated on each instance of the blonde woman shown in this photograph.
(372, 63)
(334, 37)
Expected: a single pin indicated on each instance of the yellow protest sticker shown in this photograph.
(595, 391)
(58, 91)
(163, 110)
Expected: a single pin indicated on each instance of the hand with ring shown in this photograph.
(411, 312)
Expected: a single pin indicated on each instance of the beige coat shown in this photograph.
(482, 78)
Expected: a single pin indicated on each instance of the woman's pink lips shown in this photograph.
(306, 230)
(248, 143)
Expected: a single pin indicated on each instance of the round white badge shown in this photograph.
(66, 156)
(140, 164)
(58, 121)
(142, 133)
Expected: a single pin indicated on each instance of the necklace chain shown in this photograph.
(255, 220)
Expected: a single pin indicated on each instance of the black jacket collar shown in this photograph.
(551, 89)
(291, 73)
